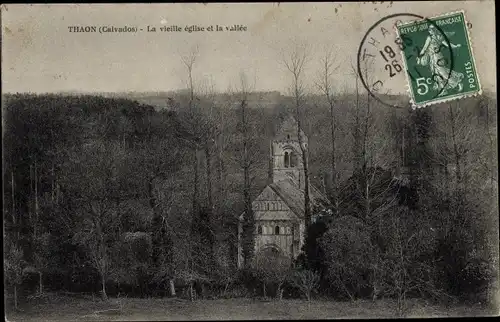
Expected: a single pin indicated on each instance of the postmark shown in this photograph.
(379, 63)
(438, 59)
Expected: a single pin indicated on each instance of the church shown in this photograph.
(279, 208)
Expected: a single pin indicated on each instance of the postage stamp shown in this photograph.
(438, 59)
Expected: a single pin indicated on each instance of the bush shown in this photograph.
(249, 278)
(235, 291)
(307, 281)
(476, 279)
(347, 249)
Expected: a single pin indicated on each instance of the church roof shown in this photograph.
(289, 192)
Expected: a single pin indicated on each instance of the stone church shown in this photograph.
(279, 208)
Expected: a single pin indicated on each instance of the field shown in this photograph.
(70, 309)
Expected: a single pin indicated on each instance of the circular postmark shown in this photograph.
(384, 72)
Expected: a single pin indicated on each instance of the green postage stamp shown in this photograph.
(438, 57)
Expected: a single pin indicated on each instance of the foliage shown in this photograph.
(347, 249)
(273, 270)
(114, 187)
(14, 264)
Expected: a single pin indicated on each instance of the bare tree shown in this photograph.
(99, 201)
(325, 85)
(210, 128)
(306, 281)
(246, 161)
(161, 195)
(192, 121)
(40, 237)
(294, 63)
(356, 125)
(94, 237)
(200, 124)
(273, 269)
(14, 265)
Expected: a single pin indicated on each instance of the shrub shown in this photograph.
(307, 281)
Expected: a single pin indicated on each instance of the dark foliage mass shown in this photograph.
(114, 196)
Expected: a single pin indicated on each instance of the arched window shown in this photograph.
(277, 230)
(267, 206)
(259, 230)
(287, 160)
(293, 160)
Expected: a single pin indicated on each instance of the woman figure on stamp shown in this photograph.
(432, 56)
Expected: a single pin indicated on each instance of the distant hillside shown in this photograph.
(255, 99)
(261, 99)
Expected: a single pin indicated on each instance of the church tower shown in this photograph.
(286, 155)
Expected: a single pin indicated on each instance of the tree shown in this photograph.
(326, 87)
(100, 198)
(348, 250)
(294, 63)
(199, 120)
(246, 162)
(460, 149)
(356, 128)
(273, 268)
(162, 244)
(14, 265)
(40, 237)
(161, 167)
(191, 119)
(306, 281)
(41, 256)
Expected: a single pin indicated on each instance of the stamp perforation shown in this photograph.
(471, 54)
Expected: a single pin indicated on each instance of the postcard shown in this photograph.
(213, 161)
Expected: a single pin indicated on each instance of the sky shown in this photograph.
(39, 54)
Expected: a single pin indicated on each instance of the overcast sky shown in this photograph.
(39, 54)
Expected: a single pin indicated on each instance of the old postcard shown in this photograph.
(218, 161)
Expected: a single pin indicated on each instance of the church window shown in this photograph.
(287, 160)
(277, 230)
(260, 230)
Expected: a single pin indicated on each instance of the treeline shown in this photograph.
(109, 195)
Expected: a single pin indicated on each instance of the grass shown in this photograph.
(58, 308)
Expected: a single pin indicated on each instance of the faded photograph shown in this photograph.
(249, 161)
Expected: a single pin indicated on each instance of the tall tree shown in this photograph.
(294, 63)
(325, 85)
(192, 122)
(99, 200)
(246, 162)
